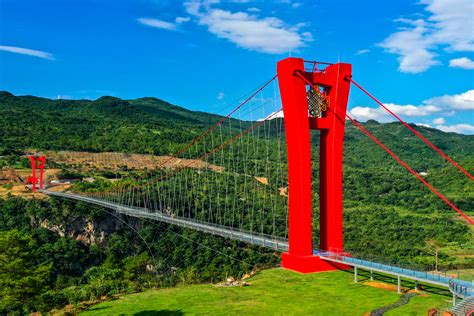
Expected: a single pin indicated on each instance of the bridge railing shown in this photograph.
(254, 238)
(460, 287)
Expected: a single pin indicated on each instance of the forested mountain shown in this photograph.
(151, 125)
(389, 215)
(145, 125)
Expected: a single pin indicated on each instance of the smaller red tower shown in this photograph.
(37, 162)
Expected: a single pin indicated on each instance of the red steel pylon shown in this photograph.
(334, 89)
(37, 162)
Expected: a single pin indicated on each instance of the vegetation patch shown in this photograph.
(273, 292)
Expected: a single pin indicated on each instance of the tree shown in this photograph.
(434, 245)
(20, 279)
(103, 280)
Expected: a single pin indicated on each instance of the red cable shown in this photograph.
(414, 131)
(400, 161)
(221, 120)
(210, 129)
(229, 141)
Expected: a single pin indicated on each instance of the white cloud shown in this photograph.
(64, 97)
(180, 19)
(462, 62)
(268, 35)
(362, 51)
(363, 113)
(412, 110)
(220, 96)
(457, 128)
(446, 105)
(452, 23)
(449, 25)
(193, 7)
(158, 24)
(379, 114)
(296, 5)
(253, 9)
(412, 47)
(462, 101)
(26, 51)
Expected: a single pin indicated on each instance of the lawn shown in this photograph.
(272, 292)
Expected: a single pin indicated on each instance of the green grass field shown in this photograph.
(272, 292)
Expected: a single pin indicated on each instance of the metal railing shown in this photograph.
(458, 287)
(262, 240)
(462, 308)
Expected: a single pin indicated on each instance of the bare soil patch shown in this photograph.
(119, 161)
(384, 286)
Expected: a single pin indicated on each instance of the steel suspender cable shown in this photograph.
(207, 131)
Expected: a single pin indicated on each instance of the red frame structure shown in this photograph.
(37, 162)
(293, 80)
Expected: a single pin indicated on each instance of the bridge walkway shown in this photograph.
(459, 288)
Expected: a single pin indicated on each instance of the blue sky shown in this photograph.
(416, 56)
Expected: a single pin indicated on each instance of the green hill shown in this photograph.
(272, 292)
(150, 125)
(388, 215)
(381, 198)
(146, 125)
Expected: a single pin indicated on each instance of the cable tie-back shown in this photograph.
(439, 151)
(404, 164)
(398, 159)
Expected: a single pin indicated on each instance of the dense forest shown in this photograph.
(389, 216)
(41, 270)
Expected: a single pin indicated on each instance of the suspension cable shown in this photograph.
(197, 139)
(218, 123)
(398, 159)
(214, 150)
(439, 151)
(401, 162)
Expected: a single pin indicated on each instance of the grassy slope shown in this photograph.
(273, 292)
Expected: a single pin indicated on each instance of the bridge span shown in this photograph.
(458, 288)
(223, 231)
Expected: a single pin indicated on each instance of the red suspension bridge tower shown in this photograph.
(324, 109)
(37, 162)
